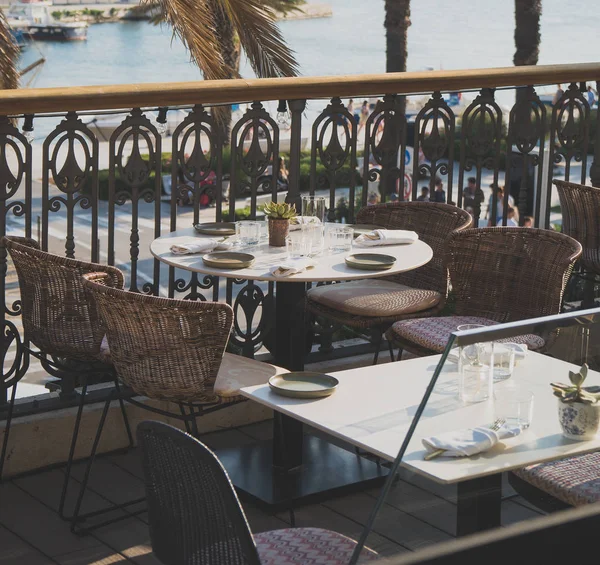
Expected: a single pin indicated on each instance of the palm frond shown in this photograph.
(268, 53)
(9, 53)
(193, 22)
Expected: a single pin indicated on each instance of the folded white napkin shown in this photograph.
(463, 443)
(520, 353)
(198, 245)
(385, 237)
(297, 222)
(291, 267)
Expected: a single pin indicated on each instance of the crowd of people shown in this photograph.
(472, 200)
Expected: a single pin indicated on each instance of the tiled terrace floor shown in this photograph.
(418, 513)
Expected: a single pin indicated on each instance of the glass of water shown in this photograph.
(514, 405)
(340, 238)
(298, 246)
(504, 360)
(475, 365)
(248, 232)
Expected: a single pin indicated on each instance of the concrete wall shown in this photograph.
(42, 440)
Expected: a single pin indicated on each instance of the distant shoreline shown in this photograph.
(120, 11)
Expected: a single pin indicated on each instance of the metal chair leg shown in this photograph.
(76, 517)
(9, 414)
(63, 494)
(391, 349)
(377, 337)
(124, 413)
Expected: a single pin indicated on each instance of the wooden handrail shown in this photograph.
(45, 100)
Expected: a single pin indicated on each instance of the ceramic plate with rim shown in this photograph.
(303, 384)
(216, 228)
(360, 229)
(228, 260)
(370, 261)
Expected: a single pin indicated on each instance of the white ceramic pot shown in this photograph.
(579, 420)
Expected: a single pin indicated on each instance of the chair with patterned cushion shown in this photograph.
(61, 328)
(169, 350)
(195, 517)
(375, 305)
(497, 275)
(580, 219)
(561, 484)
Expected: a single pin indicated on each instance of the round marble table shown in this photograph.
(290, 290)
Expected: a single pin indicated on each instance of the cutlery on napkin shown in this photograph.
(291, 267)
(467, 442)
(196, 245)
(386, 237)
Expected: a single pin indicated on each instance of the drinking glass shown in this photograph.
(504, 360)
(515, 406)
(298, 246)
(314, 206)
(475, 378)
(340, 238)
(248, 232)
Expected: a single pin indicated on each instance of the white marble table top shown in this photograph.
(374, 406)
(329, 267)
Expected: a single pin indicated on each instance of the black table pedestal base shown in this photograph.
(326, 470)
(479, 505)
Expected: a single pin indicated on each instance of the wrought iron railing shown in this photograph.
(104, 201)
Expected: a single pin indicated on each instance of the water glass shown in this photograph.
(515, 406)
(340, 238)
(314, 206)
(504, 360)
(264, 230)
(314, 232)
(298, 246)
(475, 378)
(248, 233)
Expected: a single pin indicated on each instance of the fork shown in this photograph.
(494, 427)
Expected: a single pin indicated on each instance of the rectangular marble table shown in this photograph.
(374, 406)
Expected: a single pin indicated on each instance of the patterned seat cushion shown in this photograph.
(575, 481)
(307, 546)
(237, 372)
(374, 298)
(433, 333)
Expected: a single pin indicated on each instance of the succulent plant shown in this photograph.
(576, 392)
(283, 211)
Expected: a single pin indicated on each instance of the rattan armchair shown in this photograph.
(497, 275)
(376, 304)
(195, 517)
(580, 219)
(169, 350)
(63, 325)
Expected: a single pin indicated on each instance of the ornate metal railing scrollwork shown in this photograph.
(434, 138)
(127, 163)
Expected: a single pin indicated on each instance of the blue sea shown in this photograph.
(448, 35)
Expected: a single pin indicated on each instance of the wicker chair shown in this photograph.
(64, 326)
(579, 205)
(195, 517)
(497, 275)
(376, 304)
(170, 350)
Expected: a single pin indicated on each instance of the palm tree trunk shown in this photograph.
(527, 34)
(230, 50)
(397, 22)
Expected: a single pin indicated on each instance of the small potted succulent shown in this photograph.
(578, 407)
(279, 216)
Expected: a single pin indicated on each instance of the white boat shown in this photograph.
(34, 19)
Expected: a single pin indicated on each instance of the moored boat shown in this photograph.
(34, 20)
